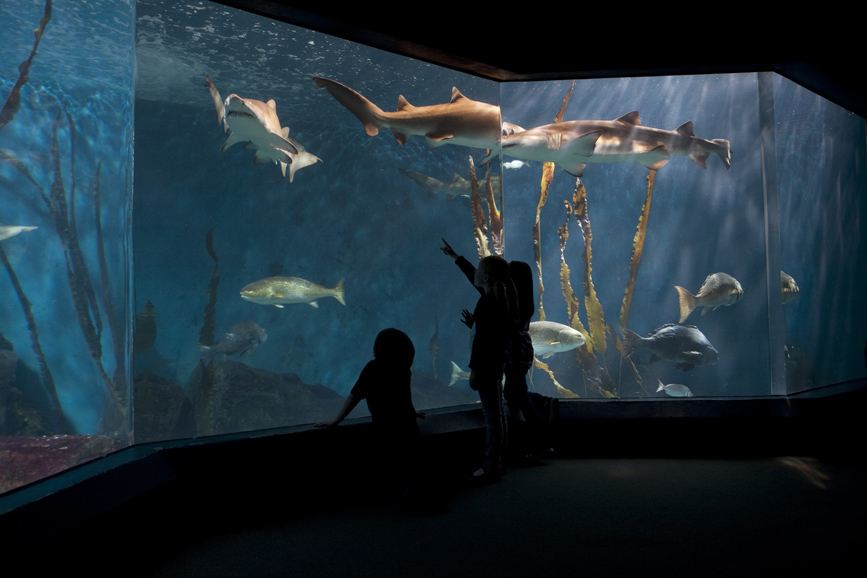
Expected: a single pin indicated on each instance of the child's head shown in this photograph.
(491, 270)
(395, 346)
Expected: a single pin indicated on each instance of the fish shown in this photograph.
(461, 121)
(683, 344)
(458, 187)
(790, 288)
(574, 144)
(515, 164)
(549, 338)
(717, 290)
(674, 389)
(277, 291)
(241, 338)
(256, 123)
(145, 333)
(7, 231)
(458, 374)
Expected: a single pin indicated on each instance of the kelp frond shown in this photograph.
(635, 261)
(595, 318)
(547, 176)
(480, 227)
(495, 215)
(562, 391)
(13, 103)
(572, 303)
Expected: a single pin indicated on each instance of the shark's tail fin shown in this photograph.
(368, 113)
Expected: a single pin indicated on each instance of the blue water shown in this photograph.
(355, 217)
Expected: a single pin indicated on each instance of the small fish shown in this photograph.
(550, 338)
(515, 164)
(790, 288)
(458, 374)
(145, 333)
(674, 389)
(277, 291)
(240, 338)
(683, 344)
(717, 290)
(7, 231)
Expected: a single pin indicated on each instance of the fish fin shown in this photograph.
(313, 304)
(723, 150)
(456, 374)
(631, 342)
(655, 158)
(661, 387)
(232, 140)
(338, 292)
(401, 138)
(368, 113)
(456, 95)
(272, 104)
(434, 140)
(585, 144)
(218, 102)
(686, 301)
(491, 156)
(301, 160)
(575, 170)
(704, 310)
(685, 129)
(699, 158)
(278, 306)
(283, 170)
(284, 132)
(403, 104)
(629, 118)
(547, 355)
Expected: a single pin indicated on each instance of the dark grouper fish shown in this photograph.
(240, 338)
(683, 344)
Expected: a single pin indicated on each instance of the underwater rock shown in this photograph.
(36, 458)
(243, 398)
(25, 408)
(159, 409)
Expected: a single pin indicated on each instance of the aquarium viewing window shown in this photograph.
(286, 195)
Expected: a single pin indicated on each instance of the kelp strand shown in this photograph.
(13, 103)
(547, 176)
(562, 391)
(495, 215)
(637, 249)
(595, 320)
(480, 227)
(572, 303)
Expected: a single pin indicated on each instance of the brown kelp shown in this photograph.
(572, 303)
(480, 226)
(637, 249)
(561, 391)
(495, 215)
(13, 103)
(595, 319)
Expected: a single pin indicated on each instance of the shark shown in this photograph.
(458, 187)
(461, 121)
(256, 123)
(7, 231)
(572, 145)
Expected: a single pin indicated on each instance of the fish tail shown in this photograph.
(687, 303)
(631, 342)
(661, 387)
(723, 150)
(338, 292)
(368, 113)
(456, 374)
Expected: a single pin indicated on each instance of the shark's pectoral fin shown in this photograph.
(655, 158)
(232, 140)
(547, 355)
(274, 155)
(283, 144)
(313, 304)
(218, 102)
(576, 170)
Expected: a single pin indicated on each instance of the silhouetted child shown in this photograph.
(385, 384)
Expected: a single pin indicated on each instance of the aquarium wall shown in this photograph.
(66, 133)
(688, 236)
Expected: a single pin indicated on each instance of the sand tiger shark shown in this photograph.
(574, 144)
(458, 187)
(256, 123)
(460, 121)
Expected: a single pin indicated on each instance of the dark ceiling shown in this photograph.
(818, 49)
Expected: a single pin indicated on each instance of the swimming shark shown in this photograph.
(460, 121)
(458, 187)
(256, 123)
(574, 144)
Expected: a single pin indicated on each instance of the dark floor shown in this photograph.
(570, 517)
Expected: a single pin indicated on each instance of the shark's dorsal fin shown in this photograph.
(272, 104)
(685, 129)
(629, 118)
(403, 104)
(456, 95)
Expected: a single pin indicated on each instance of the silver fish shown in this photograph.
(241, 338)
(550, 338)
(277, 291)
(717, 290)
(7, 231)
(683, 344)
(790, 288)
(674, 389)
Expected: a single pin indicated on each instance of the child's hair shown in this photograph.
(504, 289)
(395, 346)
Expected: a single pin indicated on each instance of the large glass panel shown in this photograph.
(823, 203)
(368, 219)
(65, 184)
(700, 223)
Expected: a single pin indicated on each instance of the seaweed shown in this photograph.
(207, 336)
(494, 214)
(595, 319)
(13, 103)
(564, 393)
(637, 249)
(480, 226)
